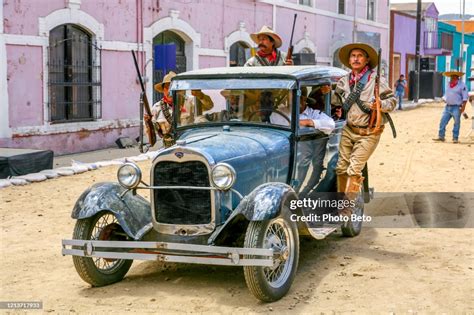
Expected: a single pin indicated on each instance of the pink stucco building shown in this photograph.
(67, 76)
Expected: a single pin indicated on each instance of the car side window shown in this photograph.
(314, 104)
(337, 112)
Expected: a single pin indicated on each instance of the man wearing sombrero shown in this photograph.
(356, 92)
(456, 99)
(268, 54)
(162, 111)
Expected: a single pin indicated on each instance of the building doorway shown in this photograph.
(168, 55)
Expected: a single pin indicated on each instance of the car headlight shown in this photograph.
(223, 176)
(129, 175)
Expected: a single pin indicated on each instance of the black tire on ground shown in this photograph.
(280, 233)
(89, 268)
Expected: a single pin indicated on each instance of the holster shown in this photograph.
(367, 131)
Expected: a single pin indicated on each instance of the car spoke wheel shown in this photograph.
(95, 270)
(280, 234)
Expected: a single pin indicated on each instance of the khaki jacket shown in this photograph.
(355, 116)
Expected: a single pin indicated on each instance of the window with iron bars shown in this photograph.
(308, 3)
(371, 10)
(74, 75)
(341, 8)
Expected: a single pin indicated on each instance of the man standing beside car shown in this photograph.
(356, 91)
(268, 54)
(162, 111)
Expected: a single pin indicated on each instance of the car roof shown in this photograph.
(281, 72)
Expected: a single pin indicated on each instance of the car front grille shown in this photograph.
(182, 206)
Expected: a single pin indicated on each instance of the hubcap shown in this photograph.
(103, 231)
(279, 237)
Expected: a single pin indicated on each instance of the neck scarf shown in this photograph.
(356, 77)
(270, 56)
(453, 83)
(168, 100)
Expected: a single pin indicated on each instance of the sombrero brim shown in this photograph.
(166, 79)
(159, 87)
(345, 51)
(275, 37)
(451, 73)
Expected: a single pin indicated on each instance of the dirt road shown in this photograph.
(382, 270)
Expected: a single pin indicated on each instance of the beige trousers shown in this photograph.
(354, 151)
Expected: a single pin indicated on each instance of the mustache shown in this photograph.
(262, 46)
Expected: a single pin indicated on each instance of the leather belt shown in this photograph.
(366, 131)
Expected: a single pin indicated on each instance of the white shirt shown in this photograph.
(320, 120)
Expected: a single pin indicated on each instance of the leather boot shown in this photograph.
(352, 189)
(342, 182)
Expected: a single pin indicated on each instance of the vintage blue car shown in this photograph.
(222, 195)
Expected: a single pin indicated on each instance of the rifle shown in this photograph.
(289, 54)
(150, 130)
(376, 115)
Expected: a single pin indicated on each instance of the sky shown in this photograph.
(446, 6)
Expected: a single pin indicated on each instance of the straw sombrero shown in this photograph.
(345, 51)
(269, 32)
(166, 79)
(451, 73)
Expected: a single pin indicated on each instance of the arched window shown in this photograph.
(335, 60)
(168, 55)
(73, 75)
(239, 53)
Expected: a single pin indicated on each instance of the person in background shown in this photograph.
(456, 99)
(400, 86)
(268, 54)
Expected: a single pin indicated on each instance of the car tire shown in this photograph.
(353, 228)
(89, 268)
(281, 233)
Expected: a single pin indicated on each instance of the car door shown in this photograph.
(312, 145)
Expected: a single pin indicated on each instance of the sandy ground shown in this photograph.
(382, 270)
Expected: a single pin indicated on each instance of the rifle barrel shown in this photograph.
(293, 30)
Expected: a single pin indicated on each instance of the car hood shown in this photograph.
(257, 154)
(237, 142)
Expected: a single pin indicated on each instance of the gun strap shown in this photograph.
(353, 97)
(265, 62)
(392, 125)
(166, 112)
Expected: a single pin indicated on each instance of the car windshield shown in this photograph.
(244, 102)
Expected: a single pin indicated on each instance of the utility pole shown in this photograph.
(417, 52)
(354, 26)
(461, 61)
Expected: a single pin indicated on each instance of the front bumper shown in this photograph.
(171, 252)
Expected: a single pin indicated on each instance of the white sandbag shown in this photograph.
(33, 177)
(5, 183)
(64, 171)
(18, 181)
(90, 166)
(50, 173)
(78, 169)
(151, 154)
(138, 158)
(108, 163)
(120, 160)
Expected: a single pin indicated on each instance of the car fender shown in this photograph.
(265, 201)
(133, 212)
